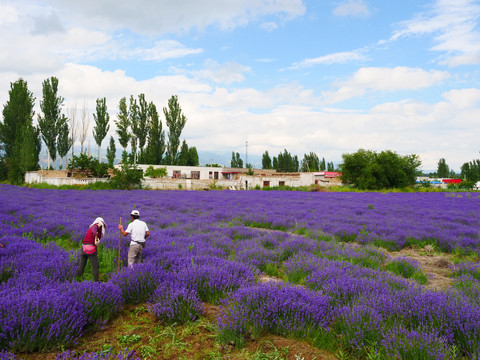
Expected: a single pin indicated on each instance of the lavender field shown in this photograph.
(334, 283)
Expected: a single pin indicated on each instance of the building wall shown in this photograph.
(239, 182)
(186, 171)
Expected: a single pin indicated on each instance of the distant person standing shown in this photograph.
(89, 247)
(139, 232)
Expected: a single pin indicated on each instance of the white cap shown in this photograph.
(135, 212)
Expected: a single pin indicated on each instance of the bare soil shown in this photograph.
(437, 266)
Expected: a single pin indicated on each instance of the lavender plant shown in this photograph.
(39, 319)
(176, 304)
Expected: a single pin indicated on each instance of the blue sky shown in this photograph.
(321, 76)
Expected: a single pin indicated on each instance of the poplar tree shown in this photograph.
(133, 115)
(156, 138)
(102, 119)
(183, 154)
(123, 125)
(266, 161)
(141, 130)
(64, 142)
(19, 139)
(111, 150)
(176, 122)
(52, 118)
(193, 156)
(443, 171)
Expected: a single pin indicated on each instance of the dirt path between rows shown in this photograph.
(437, 266)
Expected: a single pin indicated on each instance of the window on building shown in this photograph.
(196, 175)
(210, 174)
(215, 175)
(177, 174)
(281, 183)
(266, 183)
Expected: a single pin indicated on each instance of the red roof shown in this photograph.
(452, 181)
(331, 174)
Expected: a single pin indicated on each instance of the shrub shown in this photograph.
(88, 166)
(155, 173)
(128, 177)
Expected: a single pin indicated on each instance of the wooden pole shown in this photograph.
(119, 242)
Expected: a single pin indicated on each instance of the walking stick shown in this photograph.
(119, 241)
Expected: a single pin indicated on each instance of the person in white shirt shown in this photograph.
(139, 232)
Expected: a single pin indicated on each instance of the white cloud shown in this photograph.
(336, 58)
(463, 98)
(269, 26)
(222, 73)
(384, 79)
(454, 26)
(8, 14)
(44, 25)
(159, 17)
(165, 49)
(352, 8)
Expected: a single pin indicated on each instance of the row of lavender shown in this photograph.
(193, 257)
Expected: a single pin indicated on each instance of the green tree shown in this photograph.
(20, 141)
(310, 162)
(176, 122)
(443, 171)
(156, 138)
(193, 156)
(64, 142)
(123, 125)
(470, 171)
(102, 124)
(52, 118)
(133, 113)
(266, 161)
(111, 150)
(142, 126)
(285, 162)
(330, 166)
(322, 165)
(370, 170)
(183, 155)
(236, 161)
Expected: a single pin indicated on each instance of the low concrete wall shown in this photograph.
(34, 177)
(188, 184)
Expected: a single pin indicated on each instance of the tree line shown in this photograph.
(138, 124)
(286, 162)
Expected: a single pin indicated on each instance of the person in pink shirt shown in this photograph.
(89, 247)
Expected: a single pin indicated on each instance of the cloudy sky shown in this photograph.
(320, 76)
